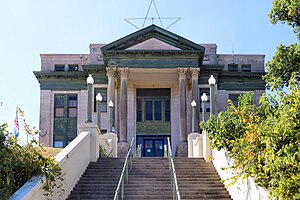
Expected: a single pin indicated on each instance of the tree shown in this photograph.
(286, 61)
(286, 12)
(18, 164)
(262, 140)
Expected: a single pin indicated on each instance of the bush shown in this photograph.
(19, 164)
(263, 140)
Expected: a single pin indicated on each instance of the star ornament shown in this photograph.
(141, 22)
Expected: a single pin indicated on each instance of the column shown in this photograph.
(195, 94)
(123, 104)
(110, 72)
(182, 103)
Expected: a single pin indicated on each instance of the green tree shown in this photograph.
(286, 61)
(263, 140)
(18, 164)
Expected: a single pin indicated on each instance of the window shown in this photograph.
(139, 110)
(103, 105)
(59, 106)
(246, 68)
(157, 110)
(233, 67)
(73, 67)
(65, 119)
(148, 110)
(72, 106)
(167, 111)
(59, 68)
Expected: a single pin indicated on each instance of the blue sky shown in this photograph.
(29, 28)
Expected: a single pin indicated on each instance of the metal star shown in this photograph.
(152, 19)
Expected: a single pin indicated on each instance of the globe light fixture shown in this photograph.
(90, 79)
(99, 97)
(204, 97)
(211, 80)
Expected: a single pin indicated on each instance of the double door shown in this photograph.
(152, 146)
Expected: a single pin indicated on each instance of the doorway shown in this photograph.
(152, 146)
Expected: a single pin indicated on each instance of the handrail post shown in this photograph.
(122, 192)
(173, 191)
(126, 173)
(131, 160)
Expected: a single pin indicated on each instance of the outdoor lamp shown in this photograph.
(212, 86)
(111, 104)
(110, 122)
(212, 80)
(90, 79)
(99, 99)
(204, 97)
(194, 104)
(90, 82)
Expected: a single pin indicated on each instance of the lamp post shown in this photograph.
(203, 100)
(193, 104)
(212, 83)
(90, 82)
(99, 99)
(110, 105)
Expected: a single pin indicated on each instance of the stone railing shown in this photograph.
(73, 160)
(243, 189)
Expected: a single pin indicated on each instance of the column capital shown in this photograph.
(111, 72)
(124, 72)
(195, 73)
(182, 72)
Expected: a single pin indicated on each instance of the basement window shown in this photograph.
(73, 67)
(246, 68)
(59, 68)
(233, 67)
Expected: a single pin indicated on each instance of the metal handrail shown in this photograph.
(124, 171)
(176, 194)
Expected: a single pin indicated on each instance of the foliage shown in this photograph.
(286, 11)
(20, 163)
(285, 64)
(263, 140)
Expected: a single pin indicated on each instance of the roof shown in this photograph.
(149, 32)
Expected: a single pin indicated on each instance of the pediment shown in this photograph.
(152, 44)
(149, 37)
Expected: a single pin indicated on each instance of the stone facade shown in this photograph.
(148, 58)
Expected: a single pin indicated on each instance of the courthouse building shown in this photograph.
(151, 76)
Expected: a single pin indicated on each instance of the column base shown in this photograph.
(123, 149)
(182, 149)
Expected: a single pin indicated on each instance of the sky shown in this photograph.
(32, 27)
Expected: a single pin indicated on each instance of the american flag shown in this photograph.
(17, 127)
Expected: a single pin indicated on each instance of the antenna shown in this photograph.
(232, 46)
(152, 19)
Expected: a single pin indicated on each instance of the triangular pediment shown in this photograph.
(153, 44)
(146, 37)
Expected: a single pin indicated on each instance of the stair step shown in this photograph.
(150, 178)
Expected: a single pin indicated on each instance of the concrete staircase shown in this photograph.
(149, 178)
(100, 180)
(198, 179)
